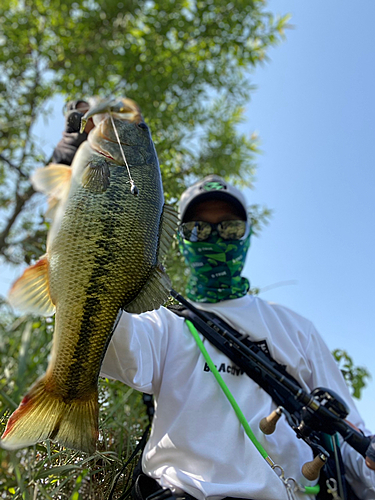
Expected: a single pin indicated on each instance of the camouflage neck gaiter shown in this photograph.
(215, 268)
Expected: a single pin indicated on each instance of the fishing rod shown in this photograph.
(308, 414)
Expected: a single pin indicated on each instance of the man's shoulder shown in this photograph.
(163, 315)
(282, 312)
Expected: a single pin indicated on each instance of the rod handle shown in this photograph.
(311, 470)
(268, 424)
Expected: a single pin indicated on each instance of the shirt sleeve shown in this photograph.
(138, 349)
(326, 373)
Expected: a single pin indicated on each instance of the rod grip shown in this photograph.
(268, 424)
(311, 470)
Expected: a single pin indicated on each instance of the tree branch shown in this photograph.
(20, 202)
(12, 166)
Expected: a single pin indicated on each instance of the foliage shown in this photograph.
(186, 63)
(355, 376)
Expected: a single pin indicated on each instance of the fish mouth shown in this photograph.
(105, 154)
(122, 109)
(117, 122)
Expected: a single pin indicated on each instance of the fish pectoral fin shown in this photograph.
(153, 294)
(156, 291)
(168, 228)
(96, 175)
(30, 293)
(43, 415)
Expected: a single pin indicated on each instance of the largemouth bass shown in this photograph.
(104, 252)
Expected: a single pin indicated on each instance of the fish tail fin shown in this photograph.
(43, 415)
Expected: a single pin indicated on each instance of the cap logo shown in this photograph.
(213, 186)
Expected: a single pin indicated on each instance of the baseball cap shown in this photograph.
(211, 187)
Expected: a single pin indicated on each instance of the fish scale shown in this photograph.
(104, 251)
(101, 271)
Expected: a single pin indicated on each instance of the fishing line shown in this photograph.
(134, 190)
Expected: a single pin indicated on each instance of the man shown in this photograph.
(197, 445)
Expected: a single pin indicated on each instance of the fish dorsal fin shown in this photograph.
(156, 291)
(30, 293)
(153, 294)
(168, 228)
(54, 181)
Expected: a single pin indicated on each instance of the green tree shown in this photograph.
(187, 64)
(355, 376)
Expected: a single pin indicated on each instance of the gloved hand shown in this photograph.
(72, 138)
(73, 121)
(370, 454)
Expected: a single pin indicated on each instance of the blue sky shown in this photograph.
(314, 111)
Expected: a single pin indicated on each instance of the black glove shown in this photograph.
(72, 139)
(371, 450)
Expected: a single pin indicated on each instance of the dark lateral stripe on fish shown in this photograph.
(110, 241)
(82, 348)
(87, 342)
(92, 307)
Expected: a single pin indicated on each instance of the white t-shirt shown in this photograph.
(197, 443)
